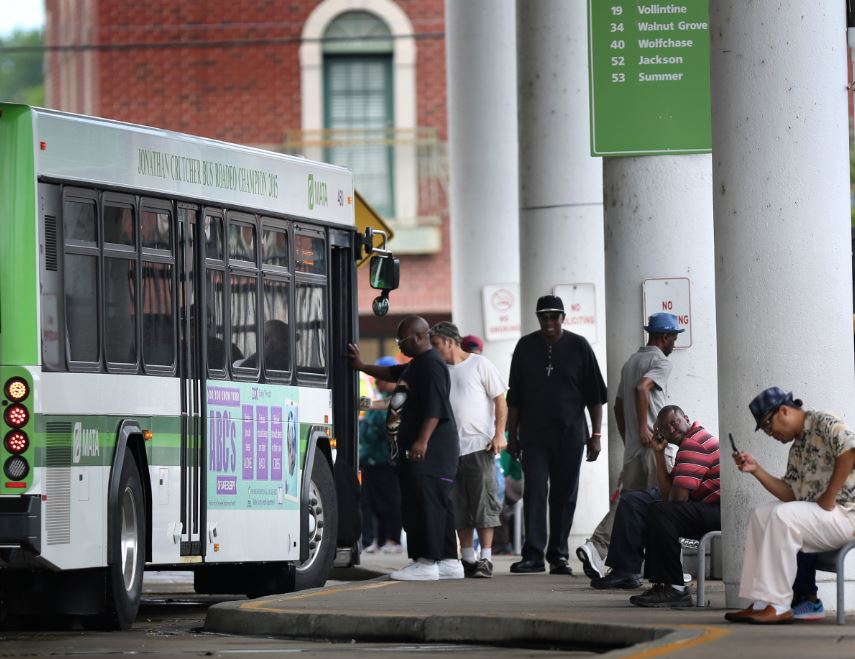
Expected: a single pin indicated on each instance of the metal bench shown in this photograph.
(832, 561)
(702, 565)
(827, 561)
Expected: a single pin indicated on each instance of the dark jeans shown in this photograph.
(553, 468)
(805, 583)
(626, 549)
(382, 495)
(427, 514)
(667, 522)
(647, 529)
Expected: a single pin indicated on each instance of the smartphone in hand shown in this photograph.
(732, 443)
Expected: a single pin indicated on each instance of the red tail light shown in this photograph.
(16, 441)
(16, 415)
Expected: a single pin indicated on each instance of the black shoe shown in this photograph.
(615, 579)
(662, 595)
(527, 567)
(469, 568)
(560, 567)
(483, 569)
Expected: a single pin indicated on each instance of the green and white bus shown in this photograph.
(174, 315)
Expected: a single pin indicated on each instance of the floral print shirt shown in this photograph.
(812, 457)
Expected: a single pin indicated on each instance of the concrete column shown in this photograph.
(658, 212)
(782, 237)
(561, 212)
(482, 150)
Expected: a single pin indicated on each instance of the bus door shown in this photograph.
(192, 383)
(344, 381)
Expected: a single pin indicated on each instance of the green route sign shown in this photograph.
(649, 74)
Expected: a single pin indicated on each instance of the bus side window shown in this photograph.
(311, 328)
(158, 289)
(243, 294)
(277, 337)
(80, 275)
(120, 282)
(276, 301)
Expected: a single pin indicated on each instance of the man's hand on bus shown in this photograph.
(354, 357)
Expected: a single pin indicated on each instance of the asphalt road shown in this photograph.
(170, 625)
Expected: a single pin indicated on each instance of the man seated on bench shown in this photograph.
(649, 523)
(816, 511)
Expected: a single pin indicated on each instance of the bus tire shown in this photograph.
(323, 527)
(124, 579)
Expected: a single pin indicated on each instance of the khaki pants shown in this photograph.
(776, 533)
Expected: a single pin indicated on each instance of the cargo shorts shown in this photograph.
(474, 496)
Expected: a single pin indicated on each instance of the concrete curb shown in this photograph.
(521, 630)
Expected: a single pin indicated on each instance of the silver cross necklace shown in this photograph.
(549, 367)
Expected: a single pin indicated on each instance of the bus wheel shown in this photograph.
(323, 527)
(126, 525)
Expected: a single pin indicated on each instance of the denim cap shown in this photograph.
(549, 304)
(767, 401)
(447, 330)
(386, 361)
(663, 323)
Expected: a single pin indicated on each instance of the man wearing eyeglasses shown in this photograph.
(816, 507)
(554, 378)
(421, 417)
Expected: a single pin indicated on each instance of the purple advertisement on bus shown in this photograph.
(252, 446)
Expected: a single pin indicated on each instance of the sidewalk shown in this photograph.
(541, 609)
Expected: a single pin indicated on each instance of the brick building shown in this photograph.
(355, 82)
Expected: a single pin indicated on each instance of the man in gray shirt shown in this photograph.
(640, 395)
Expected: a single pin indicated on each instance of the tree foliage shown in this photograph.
(21, 73)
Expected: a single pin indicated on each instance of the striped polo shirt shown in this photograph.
(696, 467)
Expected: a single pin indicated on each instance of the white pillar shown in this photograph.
(482, 151)
(659, 223)
(782, 237)
(561, 211)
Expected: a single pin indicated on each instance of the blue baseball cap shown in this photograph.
(769, 400)
(386, 361)
(663, 323)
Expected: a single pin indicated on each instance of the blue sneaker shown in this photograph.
(807, 610)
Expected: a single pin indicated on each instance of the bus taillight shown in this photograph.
(16, 468)
(16, 389)
(16, 441)
(16, 415)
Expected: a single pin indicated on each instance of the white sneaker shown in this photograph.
(417, 571)
(450, 568)
(593, 564)
(372, 548)
(391, 548)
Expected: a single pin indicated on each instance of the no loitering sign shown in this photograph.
(672, 295)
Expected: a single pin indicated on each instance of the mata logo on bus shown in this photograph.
(317, 192)
(84, 442)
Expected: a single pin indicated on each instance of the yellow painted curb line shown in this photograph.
(709, 635)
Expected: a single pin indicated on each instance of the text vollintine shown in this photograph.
(208, 173)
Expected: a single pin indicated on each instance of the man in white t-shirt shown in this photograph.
(478, 401)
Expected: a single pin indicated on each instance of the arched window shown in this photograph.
(359, 103)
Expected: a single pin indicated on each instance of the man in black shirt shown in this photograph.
(421, 420)
(554, 378)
